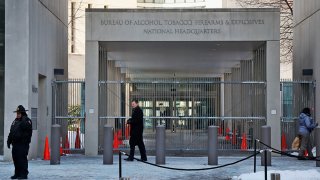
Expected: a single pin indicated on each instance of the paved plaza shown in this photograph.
(82, 167)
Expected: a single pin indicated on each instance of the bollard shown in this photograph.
(213, 145)
(266, 138)
(160, 144)
(317, 138)
(107, 145)
(275, 176)
(55, 144)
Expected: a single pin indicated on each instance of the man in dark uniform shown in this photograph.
(20, 138)
(136, 138)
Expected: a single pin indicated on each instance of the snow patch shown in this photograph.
(284, 175)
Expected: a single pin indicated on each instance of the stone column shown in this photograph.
(91, 98)
(273, 91)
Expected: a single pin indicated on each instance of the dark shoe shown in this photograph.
(144, 159)
(128, 159)
(23, 177)
(14, 177)
(302, 158)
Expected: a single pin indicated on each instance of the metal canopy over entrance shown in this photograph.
(188, 68)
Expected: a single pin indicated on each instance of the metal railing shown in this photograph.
(69, 112)
(189, 133)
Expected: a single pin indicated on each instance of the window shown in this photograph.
(34, 118)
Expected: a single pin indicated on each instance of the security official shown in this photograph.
(136, 138)
(20, 138)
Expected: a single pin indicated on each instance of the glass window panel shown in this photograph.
(169, 1)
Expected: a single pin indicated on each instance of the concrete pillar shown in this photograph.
(55, 144)
(160, 144)
(213, 145)
(273, 91)
(222, 96)
(17, 30)
(91, 98)
(265, 138)
(107, 145)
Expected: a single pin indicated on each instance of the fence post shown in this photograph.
(266, 138)
(213, 145)
(107, 145)
(317, 138)
(55, 144)
(160, 144)
(255, 157)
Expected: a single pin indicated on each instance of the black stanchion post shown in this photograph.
(317, 138)
(120, 165)
(265, 164)
(255, 156)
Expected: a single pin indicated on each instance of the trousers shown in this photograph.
(137, 141)
(305, 145)
(20, 159)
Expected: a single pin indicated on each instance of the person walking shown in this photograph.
(306, 126)
(20, 138)
(136, 132)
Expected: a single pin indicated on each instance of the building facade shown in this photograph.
(33, 49)
(76, 19)
(306, 45)
(76, 32)
(190, 68)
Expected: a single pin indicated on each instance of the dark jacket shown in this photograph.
(136, 122)
(20, 131)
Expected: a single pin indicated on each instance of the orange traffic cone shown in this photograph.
(244, 143)
(77, 144)
(67, 145)
(227, 134)
(46, 153)
(284, 145)
(115, 141)
(61, 151)
(234, 137)
(119, 136)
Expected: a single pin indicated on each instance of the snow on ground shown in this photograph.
(89, 168)
(284, 175)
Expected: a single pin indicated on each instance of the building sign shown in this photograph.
(201, 25)
(186, 26)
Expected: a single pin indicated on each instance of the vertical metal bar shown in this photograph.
(265, 164)
(120, 165)
(255, 156)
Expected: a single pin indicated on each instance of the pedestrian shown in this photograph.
(136, 138)
(306, 126)
(20, 138)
